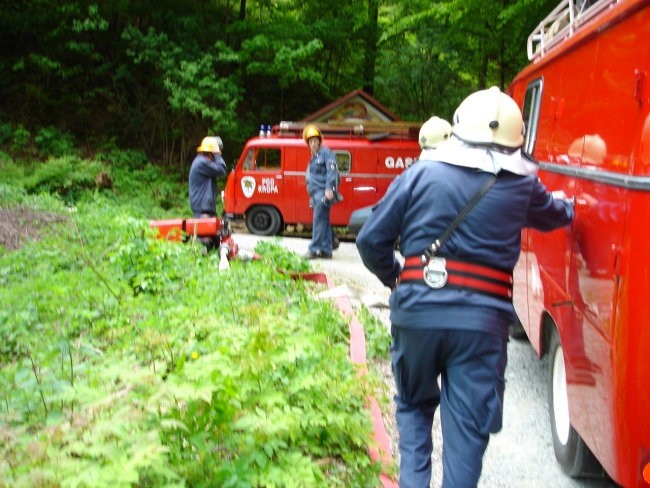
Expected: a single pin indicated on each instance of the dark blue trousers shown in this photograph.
(321, 240)
(471, 366)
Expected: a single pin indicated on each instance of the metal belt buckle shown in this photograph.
(435, 272)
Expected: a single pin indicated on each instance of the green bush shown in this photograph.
(130, 361)
(21, 143)
(128, 159)
(10, 172)
(53, 143)
(67, 176)
(47, 142)
(5, 133)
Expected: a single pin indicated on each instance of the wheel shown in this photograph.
(263, 220)
(517, 330)
(571, 452)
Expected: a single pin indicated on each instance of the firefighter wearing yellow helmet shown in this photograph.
(310, 131)
(206, 167)
(322, 180)
(451, 301)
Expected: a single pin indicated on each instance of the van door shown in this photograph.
(341, 211)
(364, 172)
(297, 158)
(262, 189)
(543, 260)
(392, 160)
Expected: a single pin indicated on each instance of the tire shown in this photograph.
(263, 220)
(571, 452)
(517, 330)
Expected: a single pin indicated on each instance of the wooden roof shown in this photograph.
(356, 106)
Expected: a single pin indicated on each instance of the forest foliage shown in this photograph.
(158, 76)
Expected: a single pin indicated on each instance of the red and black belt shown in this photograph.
(461, 274)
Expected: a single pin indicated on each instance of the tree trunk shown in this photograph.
(371, 47)
(242, 9)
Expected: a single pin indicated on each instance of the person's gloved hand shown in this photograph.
(560, 195)
(219, 145)
(394, 280)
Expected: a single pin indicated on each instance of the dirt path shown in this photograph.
(18, 225)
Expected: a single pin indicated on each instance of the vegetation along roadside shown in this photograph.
(130, 361)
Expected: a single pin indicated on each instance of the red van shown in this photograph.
(582, 294)
(266, 188)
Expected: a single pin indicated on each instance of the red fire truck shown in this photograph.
(267, 185)
(582, 293)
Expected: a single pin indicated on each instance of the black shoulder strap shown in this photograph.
(437, 244)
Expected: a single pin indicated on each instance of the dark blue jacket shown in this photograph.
(419, 206)
(202, 185)
(322, 174)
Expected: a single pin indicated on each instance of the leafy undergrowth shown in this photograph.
(130, 361)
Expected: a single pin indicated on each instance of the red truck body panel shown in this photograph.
(586, 105)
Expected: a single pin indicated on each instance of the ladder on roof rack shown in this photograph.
(562, 22)
(357, 128)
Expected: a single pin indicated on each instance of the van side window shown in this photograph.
(530, 112)
(249, 162)
(343, 161)
(263, 160)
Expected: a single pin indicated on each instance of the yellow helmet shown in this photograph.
(433, 132)
(489, 117)
(211, 144)
(310, 131)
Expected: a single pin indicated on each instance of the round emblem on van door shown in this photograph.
(248, 185)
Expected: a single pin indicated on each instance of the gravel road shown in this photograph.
(521, 455)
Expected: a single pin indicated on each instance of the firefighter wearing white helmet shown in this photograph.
(206, 167)
(451, 301)
(490, 118)
(322, 180)
(433, 132)
(487, 134)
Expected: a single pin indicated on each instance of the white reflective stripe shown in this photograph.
(349, 175)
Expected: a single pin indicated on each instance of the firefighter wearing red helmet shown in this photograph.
(322, 180)
(206, 167)
(451, 300)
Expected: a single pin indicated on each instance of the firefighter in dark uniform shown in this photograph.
(322, 179)
(433, 132)
(451, 308)
(206, 167)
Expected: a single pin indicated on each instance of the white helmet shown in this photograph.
(433, 132)
(489, 117)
